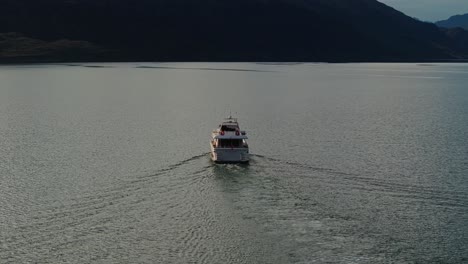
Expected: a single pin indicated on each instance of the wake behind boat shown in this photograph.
(229, 143)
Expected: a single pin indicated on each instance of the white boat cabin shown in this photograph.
(229, 143)
(229, 135)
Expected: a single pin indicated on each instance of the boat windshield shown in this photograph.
(226, 127)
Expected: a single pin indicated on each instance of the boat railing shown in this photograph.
(240, 147)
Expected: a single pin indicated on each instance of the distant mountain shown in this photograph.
(15, 47)
(455, 21)
(224, 30)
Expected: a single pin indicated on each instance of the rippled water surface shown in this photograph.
(351, 163)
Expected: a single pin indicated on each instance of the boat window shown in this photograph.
(228, 128)
(230, 143)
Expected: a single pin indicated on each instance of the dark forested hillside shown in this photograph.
(227, 30)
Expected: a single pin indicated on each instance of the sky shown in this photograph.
(429, 10)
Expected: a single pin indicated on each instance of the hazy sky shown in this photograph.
(429, 10)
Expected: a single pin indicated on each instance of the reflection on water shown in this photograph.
(231, 171)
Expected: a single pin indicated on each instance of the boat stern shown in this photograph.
(223, 155)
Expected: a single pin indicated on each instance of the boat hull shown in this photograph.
(230, 155)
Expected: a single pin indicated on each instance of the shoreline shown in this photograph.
(29, 62)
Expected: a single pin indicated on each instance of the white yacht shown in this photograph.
(229, 143)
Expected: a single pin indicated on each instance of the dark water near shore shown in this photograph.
(352, 163)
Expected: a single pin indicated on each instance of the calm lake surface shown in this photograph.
(351, 163)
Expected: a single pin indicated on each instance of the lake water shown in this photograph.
(351, 163)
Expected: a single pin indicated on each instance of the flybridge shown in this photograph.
(230, 129)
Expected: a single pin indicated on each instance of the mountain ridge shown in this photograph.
(455, 21)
